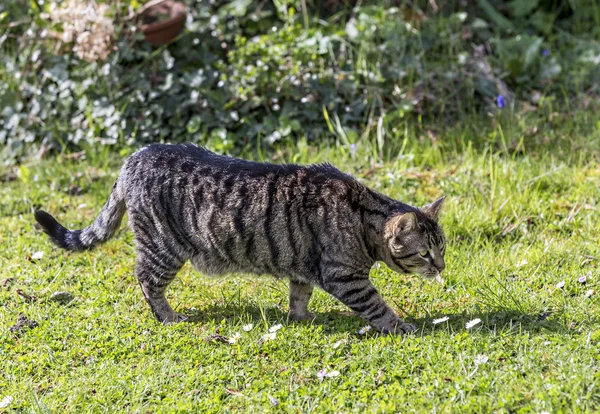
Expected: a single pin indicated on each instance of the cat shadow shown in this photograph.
(345, 321)
(330, 322)
(491, 322)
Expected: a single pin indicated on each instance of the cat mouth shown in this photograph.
(437, 277)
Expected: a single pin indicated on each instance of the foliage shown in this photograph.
(248, 74)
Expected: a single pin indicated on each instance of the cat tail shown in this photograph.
(102, 229)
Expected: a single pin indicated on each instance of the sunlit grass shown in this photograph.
(517, 222)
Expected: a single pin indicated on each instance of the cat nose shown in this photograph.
(441, 266)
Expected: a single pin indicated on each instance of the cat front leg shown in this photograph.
(355, 290)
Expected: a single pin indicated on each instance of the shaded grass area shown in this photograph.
(519, 220)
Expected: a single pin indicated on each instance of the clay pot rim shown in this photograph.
(178, 13)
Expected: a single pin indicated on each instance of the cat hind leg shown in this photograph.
(154, 276)
(300, 294)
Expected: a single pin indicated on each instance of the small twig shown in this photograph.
(433, 6)
(574, 211)
(25, 296)
(20, 22)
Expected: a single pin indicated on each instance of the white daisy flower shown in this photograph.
(321, 374)
(37, 255)
(6, 401)
(364, 330)
(582, 279)
(560, 284)
(275, 328)
(589, 293)
(248, 327)
(268, 337)
(234, 338)
(472, 323)
(440, 320)
(481, 359)
(274, 401)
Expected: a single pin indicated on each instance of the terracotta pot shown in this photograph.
(163, 31)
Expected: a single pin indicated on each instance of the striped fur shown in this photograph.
(311, 224)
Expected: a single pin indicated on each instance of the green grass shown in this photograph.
(518, 221)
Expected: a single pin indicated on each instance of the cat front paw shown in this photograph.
(401, 328)
(406, 328)
(306, 316)
(174, 318)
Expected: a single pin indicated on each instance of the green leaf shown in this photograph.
(24, 173)
(533, 51)
(193, 125)
(500, 21)
(237, 8)
(522, 8)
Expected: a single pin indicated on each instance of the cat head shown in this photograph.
(415, 242)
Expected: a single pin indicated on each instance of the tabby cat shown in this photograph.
(312, 224)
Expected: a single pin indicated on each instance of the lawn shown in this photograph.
(521, 218)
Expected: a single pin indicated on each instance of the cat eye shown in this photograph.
(423, 253)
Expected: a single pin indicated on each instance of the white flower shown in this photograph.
(234, 338)
(440, 320)
(248, 327)
(582, 279)
(37, 255)
(88, 25)
(481, 359)
(589, 293)
(472, 323)
(338, 344)
(6, 401)
(364, 330)
(275, 328)
(268, 337)
(560, 284)
(321, 375)
(274, 401)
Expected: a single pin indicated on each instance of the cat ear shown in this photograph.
(402, 223)
(433, 210)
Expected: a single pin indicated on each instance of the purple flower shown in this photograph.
(500, 101)
(545, 52)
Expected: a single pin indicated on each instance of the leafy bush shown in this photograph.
(247, 73)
